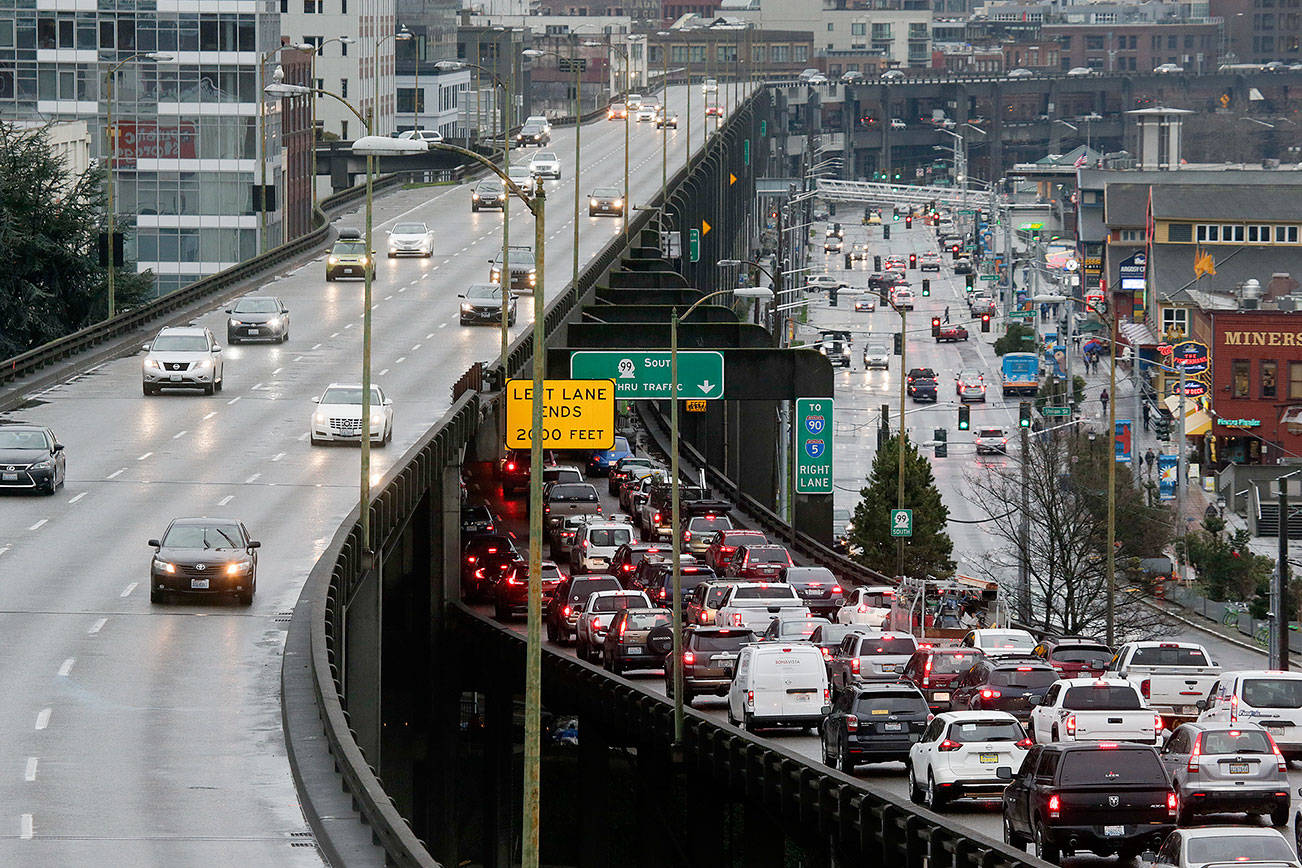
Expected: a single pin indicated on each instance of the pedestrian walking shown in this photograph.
(1103, 399)
(947, 314)
(1145, 411)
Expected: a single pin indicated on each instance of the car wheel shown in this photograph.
(1279, 816)
(220, 384)
(845, 761)
(1011, 837)
(284, 339)
(915, 792)
(157, 596)
(732, 720)
(209, 389)
(828, 759)
(1044, 850)
(330, 278)
(749, 724)
(245, 598)
(688, 696)
(615, 667)
(934, 800)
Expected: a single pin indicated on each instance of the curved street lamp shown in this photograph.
(628, 203)
(578, 125)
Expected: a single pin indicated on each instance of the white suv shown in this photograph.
(991, 441)
(595, 544)
(183, 357)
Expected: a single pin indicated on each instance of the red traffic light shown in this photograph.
(985, 322)
(935, 326)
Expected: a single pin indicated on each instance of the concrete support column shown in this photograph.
(763, 844)
(500, 796)
(595, 844)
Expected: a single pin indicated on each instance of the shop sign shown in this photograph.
(1190, 355)
(1133, 270)
(1240, 423)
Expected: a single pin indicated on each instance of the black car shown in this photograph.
(204, 556)
(513, 471)
(482, 303)
(921, 374)
(629, 555)
(963, 266)
(1105, 797)
(709, 658)
(524, 269)
(476, 520)
(511, 590)
(817, 586)
(873, 724)
(1002, 684)
(482, 560)
(533, 133)
(257, 317)
(608, 201)
(625, 469)
(625, 646)
(791, 629)
(562, 613)
(488, 194)
(923, 390)
(659, 578)
(31, 459)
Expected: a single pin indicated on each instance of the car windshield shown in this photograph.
(1005, 642)
(833, 633)
(765, 592)
(1272, 693)
(715, 596)
(224, 535)
(484, 291)
(410, 229)
(878, 349)
(1088, 656)
(881, 706)
(1234, 741)
(180, 344)
(894, 646)
(816, 576)
(584, 588)
(615, 602)
(607, 537)
(1168, 655)
(489, 187)
(1112, 766)
(605, 193)
(705, 524)
(574, 494)
(23, 440)
(724, 640)
(734, 538)
(1025, 677)
(1228, 847)
(349, 395)
(349, 248)
(257, 305)
(924, 383)
(519, 258)
(647, 620)
(951, 664)
(768, 556)
(991, 432)
(804, 629)
(1103, 697)
(545, 155)
(984, 730)
(518, 173)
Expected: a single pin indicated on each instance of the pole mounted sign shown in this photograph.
(577, 414)
(814, 445)
(901, 522)
(644, 375)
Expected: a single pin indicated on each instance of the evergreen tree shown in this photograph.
(928, 551)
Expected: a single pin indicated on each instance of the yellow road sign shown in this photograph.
(695, 406)
(577, 414)
(705, 227)
(732, 179)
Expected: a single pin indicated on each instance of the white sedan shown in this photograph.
(545, 164)
(338, 415)
(965, 754)
(411, 239)
(867, 607)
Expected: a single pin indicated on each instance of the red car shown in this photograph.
(725, 543)
(759, 563)
(948, 334)
(934, 671)
(1075, 657)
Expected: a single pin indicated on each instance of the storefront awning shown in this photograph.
(1138, 335)
(1196, 422)
(1090, 327)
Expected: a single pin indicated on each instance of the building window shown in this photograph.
(801, 53)
(1286, 235)
(1259, 234)
(343, 88)
(858, 28)
(1239, 374)
(1231, 233)
(311, 7)
(1295, 381)
(1269, 377)
(881, 31)
(1175, 323)
(1130, 235)
(831, 26)
(1093, 43)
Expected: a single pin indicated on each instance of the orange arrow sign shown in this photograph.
(705, 227)
(732, 179)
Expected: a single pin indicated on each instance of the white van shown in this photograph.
(779, 684)
(595, 544)
(1267, 697)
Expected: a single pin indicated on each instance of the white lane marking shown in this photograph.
(5, 548)
(209, 416)
(278, 370)
(252, 478)
(350, 325)
(298, 358)
(316, 346)
(303, 436)
(233, 400)
(116, 473)
(400, 360)
(256, 387)
(26, 830)
(179, 434)
(43, 718)
(143, 457)
(415, 347)
(278, 456)
(39, 524)
(66, 669)
(30, 774)
(443, 325)
(430, 335)
(225, 500)
(335, 335)
(387, 297)
(126, 592)
(97, 626)
(382, 373)
(78, 497)
(402, 289)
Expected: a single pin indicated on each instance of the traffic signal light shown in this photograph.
(941, 438)
(985, 322)
(1162, 427)
(899, 344)
(895, 214)
(913, 260)
(847, 262)
(935, 326)
(926, 287)
(964, 417)
(877, 263)
(831, 296)
(831, 209)
(908, 222)
(886, 233)
(1024, 414)
(969, 280)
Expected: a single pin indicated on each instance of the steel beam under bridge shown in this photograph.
(871, 191)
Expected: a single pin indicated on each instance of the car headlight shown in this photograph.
(234, 569)
(321, 418)
(619, 203)
(150, 363)
(474, 196)
(43, 464)
(333, 260)
(234, 322)
(164, 566)
(274, 322)
(203, 363)
(467, 308)
(365, 260)
(593, 203)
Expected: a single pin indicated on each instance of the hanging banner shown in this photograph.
(1123, 441)
(1168, 469)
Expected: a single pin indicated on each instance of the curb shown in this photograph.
(1248, 646)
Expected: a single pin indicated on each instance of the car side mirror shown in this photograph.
(1201, 705)
(230, 310)
(461, 295)
(1034, 700)
(58, 447)
(155, 543)
(146, 347)
(216, 348)
(255, 544)
(316, 400)
(284, 310)
(388, 402)
(1004, 773)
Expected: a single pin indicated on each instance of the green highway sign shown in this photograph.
(814, 446)
(745, 151)
(694, 245)
(644, 375)
(967, 213)
(901, 522)
(989, 277)
(1021, 314)
(1057, 411)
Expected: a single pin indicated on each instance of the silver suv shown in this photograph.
(1217, 767)
(184, 357)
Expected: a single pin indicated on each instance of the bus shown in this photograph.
(1021, 374)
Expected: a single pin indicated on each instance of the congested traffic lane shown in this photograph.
(139, 734)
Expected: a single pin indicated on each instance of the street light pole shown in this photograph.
(899, 440)
(578, 125)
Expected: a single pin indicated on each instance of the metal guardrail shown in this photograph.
(29, 362)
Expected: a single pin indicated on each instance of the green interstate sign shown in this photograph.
(814, 426)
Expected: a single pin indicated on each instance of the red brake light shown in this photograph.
(990, 694)
(1158, 725)
(1279, 756)
(1025, 744)
(1055, 806)
(750, 698)
(1146, 687)
(567, 611)
(688, 658)
(948, 745)
(596, 623)
(836, 589)
(470, 559)
(1071, 724)
(622, 627)
(851, 723)
(1023, 668)
(854, 665)
(1196, 752)
(827, 655)
(510, 465)
(1171, 804)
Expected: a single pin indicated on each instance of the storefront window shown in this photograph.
(1239, 378)
(1295, 381)
(1269, 377)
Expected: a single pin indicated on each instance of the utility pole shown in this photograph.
(1023, 560)
(899, 442)
(1181, 456)
(1280, 602)
(1111, 456)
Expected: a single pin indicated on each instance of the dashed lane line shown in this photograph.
(97, 626)
(43, 718)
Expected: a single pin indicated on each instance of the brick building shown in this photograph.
(1256, 386)
(1138, 46)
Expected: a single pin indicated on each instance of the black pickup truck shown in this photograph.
(1104, 797)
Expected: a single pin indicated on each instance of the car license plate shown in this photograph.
(633, 650)
(199, 584)
(989, 757)
(892, 727)
(9, 477)
(888, 667)
(176, 378)
(941, 697)
(801, 697)
(1114, 831)
(1238, 768)
(251, 331)
(1188, 709)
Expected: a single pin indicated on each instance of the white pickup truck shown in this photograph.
(1094, 709)
(755, 604)
(1172, 676)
